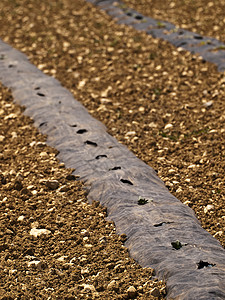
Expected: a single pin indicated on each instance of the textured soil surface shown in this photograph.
(204, 17)
(53, 244)
(166, 105)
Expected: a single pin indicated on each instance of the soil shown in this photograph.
(204, 17)
(76, 253)
(166, 105)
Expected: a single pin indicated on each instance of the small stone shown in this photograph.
(112, 285)
(40, 144)
(62, 258)
(141, 109)
(84, 271)
(37, 264)
(155, 292)
(208, 208)
(20, 218)
(52, 184)
(132, 292)
(208, 104)
(88, 288)
(38, 232)
(63, 188)
(71, 177)
(11, 272)
(168, 126)
(33, 263)
(14, 135)
(2, 138)
(44, 155)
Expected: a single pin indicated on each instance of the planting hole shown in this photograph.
(100, 156)
(162, 223)
(138, 17)
(91, 143)
(81, 131)
(43, 123)
(41, 95)
(198, 37)
(74, 125)
(126, 181)
(176, 245)
(129, 14)
(115, 168)
(142, 201)
(204, 264)
(37, 88)
(181, 44)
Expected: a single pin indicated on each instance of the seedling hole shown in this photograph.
(129, 14)
(43, 123)
(176, 245)
(41, 95)
(160, 224)
(91, 143)
(198, 37)
(73, 125)
(10, 66)
(181, 44)
(142, 201)
(100, 156)
(81, 131)
(115, 168)
(126, 181)
(138, 17)
(204, 264)
(37, 88)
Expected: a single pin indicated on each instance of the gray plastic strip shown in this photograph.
(209, 48)
(161, 233)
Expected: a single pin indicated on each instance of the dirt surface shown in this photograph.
(204, 17)
(166, 105)
(53, 244)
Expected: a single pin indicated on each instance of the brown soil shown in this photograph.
(166, 105)
(79, 256)
(202, 16)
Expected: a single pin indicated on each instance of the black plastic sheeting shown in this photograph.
(210, 49)
(162, 233)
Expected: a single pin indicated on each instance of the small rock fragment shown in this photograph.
(44, 155)
(52, 184)
(112, 285)
(37, 264)
(208, 208)
(20, 218)
(2, 138)
(88, 287)
(40, 144)
(208, 104)
(132, 292)
(155, 292)
(168, 126)
(63, 188)
(38, 232)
